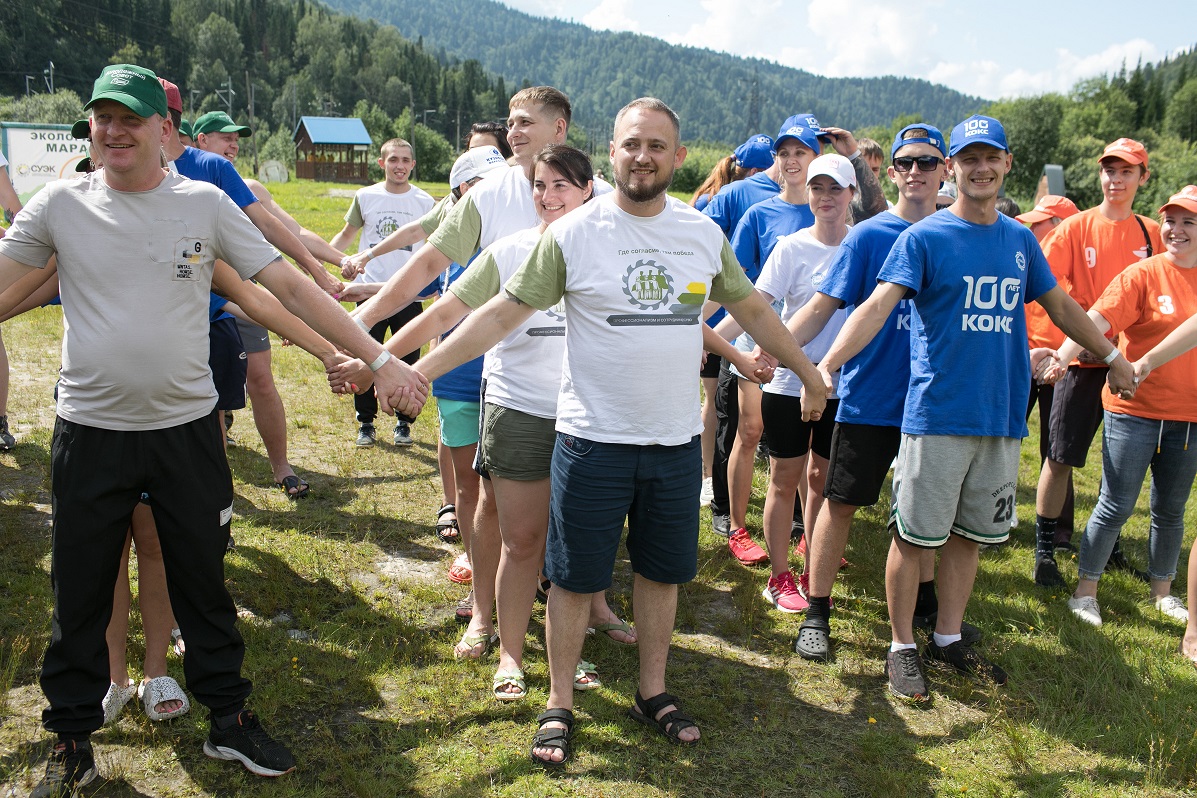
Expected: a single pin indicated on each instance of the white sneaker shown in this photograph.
(1172, 607)
(1086, 608)
(707, 494)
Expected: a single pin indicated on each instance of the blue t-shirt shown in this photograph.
(873, 383)
(970, 369)
(211, 168)
(702, 202)
(761, 226)
(733, 200)
(464, 383)
(215, 305)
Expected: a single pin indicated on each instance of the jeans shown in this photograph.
(1128, 447)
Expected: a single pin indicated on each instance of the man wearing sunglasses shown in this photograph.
(872, 384)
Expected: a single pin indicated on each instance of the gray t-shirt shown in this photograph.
(134, 272)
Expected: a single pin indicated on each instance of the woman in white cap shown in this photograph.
(1151, 427)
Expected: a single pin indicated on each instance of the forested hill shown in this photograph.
(712, 92)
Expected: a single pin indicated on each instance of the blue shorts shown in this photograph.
(226, 358)
(595, 486)
(459, 422)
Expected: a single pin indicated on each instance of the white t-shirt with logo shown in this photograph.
(793, 274)
(634, 288)
(379, 213)
(523, 371)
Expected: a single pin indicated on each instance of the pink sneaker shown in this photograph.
(745, 550)
(804, 589)
(783, 594)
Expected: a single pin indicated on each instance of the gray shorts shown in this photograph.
(955, 484)
(516, 445)
(253, 337)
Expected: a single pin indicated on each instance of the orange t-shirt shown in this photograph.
(1086, 251)
(1145, 303)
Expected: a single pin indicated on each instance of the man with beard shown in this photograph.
(634, 269)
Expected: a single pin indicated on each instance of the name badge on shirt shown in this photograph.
(190, 253)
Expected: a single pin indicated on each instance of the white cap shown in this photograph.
(476, 162)
(837, 167)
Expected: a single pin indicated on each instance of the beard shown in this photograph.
(643, 192)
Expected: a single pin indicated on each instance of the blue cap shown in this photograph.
(799, 127)
(809, 121)
(756, 153)
(978, 129)
(931, 136)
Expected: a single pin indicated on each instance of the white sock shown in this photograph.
(943, 641)
(896, 646)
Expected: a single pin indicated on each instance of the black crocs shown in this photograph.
(814, 640)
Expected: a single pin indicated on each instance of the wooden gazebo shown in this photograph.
(332, 149)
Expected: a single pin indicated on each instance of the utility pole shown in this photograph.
(411, 104)
(48, 76)
(27, 90)
(194, 92)
(253, 140)
(227, 94)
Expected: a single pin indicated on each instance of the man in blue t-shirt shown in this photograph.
(873, 384)
(968, 272)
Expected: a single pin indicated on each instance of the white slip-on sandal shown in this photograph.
(159, 689)
(116, 698)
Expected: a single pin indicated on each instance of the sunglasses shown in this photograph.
(926, 163)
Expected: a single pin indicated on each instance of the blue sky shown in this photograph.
(1012, 48)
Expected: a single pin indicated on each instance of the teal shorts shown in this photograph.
(459, 422)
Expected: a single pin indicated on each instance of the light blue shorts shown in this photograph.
(459, 422)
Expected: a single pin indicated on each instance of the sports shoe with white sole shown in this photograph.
(707, 494)
(1086, 608)
(783, 594)
(1172, 607)
(248, 743)
(68, 768)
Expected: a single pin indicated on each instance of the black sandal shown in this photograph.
(293, 486)
(557, 739)
(670, 724)
(447, 530)
(814, 640)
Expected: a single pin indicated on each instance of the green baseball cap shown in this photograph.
(219, 122)
(84, 165)
(185, 129)
(134, 87)
(81, 129)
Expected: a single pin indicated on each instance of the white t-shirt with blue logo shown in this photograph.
(970, 370)
(873, 384)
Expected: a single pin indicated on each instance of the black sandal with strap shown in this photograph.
(671, 723)
(552, 737)
(447, 530)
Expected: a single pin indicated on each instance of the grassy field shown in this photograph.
(349, 625)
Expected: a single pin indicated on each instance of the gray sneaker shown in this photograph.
(7, 441)
(68, 768)
(403, 434)
(365, 435)
(904, 668)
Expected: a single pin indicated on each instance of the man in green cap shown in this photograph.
(136, 245)
(186, 133)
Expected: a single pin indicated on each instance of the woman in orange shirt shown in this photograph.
(1152, 427)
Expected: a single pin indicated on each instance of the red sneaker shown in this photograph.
(783, 594)
(745, 550)
(804, 589)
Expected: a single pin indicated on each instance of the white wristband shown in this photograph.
(854, 155)
(365, 327)
(370, 254)
(1110, 358)
(380, 361)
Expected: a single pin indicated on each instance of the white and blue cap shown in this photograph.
(477, 162)
(799, 127)
(978, 129)
(756, 153)
(929, 135)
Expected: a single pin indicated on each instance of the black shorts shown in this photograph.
(861, 455)
(710, 369)
(228, 364)
(787, 435)
(1076, 414)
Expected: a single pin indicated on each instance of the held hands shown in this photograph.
(1046, 366)
(1122, 379)
(329, 284)
(348, 375)
(354, 292)
(399, 387)
(756, 367)
(352, 265)
(1142, 368)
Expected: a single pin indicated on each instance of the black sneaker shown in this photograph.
(403, 434)
(1118, 562)
(365, 435)
(965, 659)
(906, 677)
(1065, 546)
(248, 743)
(69, 767)
(968, 633)
(1047, 573)
(7, 441)
(721, 524)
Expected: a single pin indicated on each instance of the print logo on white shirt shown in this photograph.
(647, 285)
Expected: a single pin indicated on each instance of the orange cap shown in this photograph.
(1185, 198)
(1127, 150)
(1050, 206)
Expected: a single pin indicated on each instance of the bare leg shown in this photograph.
(784, 476)
(117, 634)
(708, 424)
(1188, 644)
(826, 546)
(152, 599)
(567, 614)
(656, 612)
(957, 572)
(810, 489)
(523, 521)
(741, 464)
(4, 388)
(901, 587)
(467, 481)
(601, 613)
(269, 415)
(485, 547)
(444, 461)
(1053, 489)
